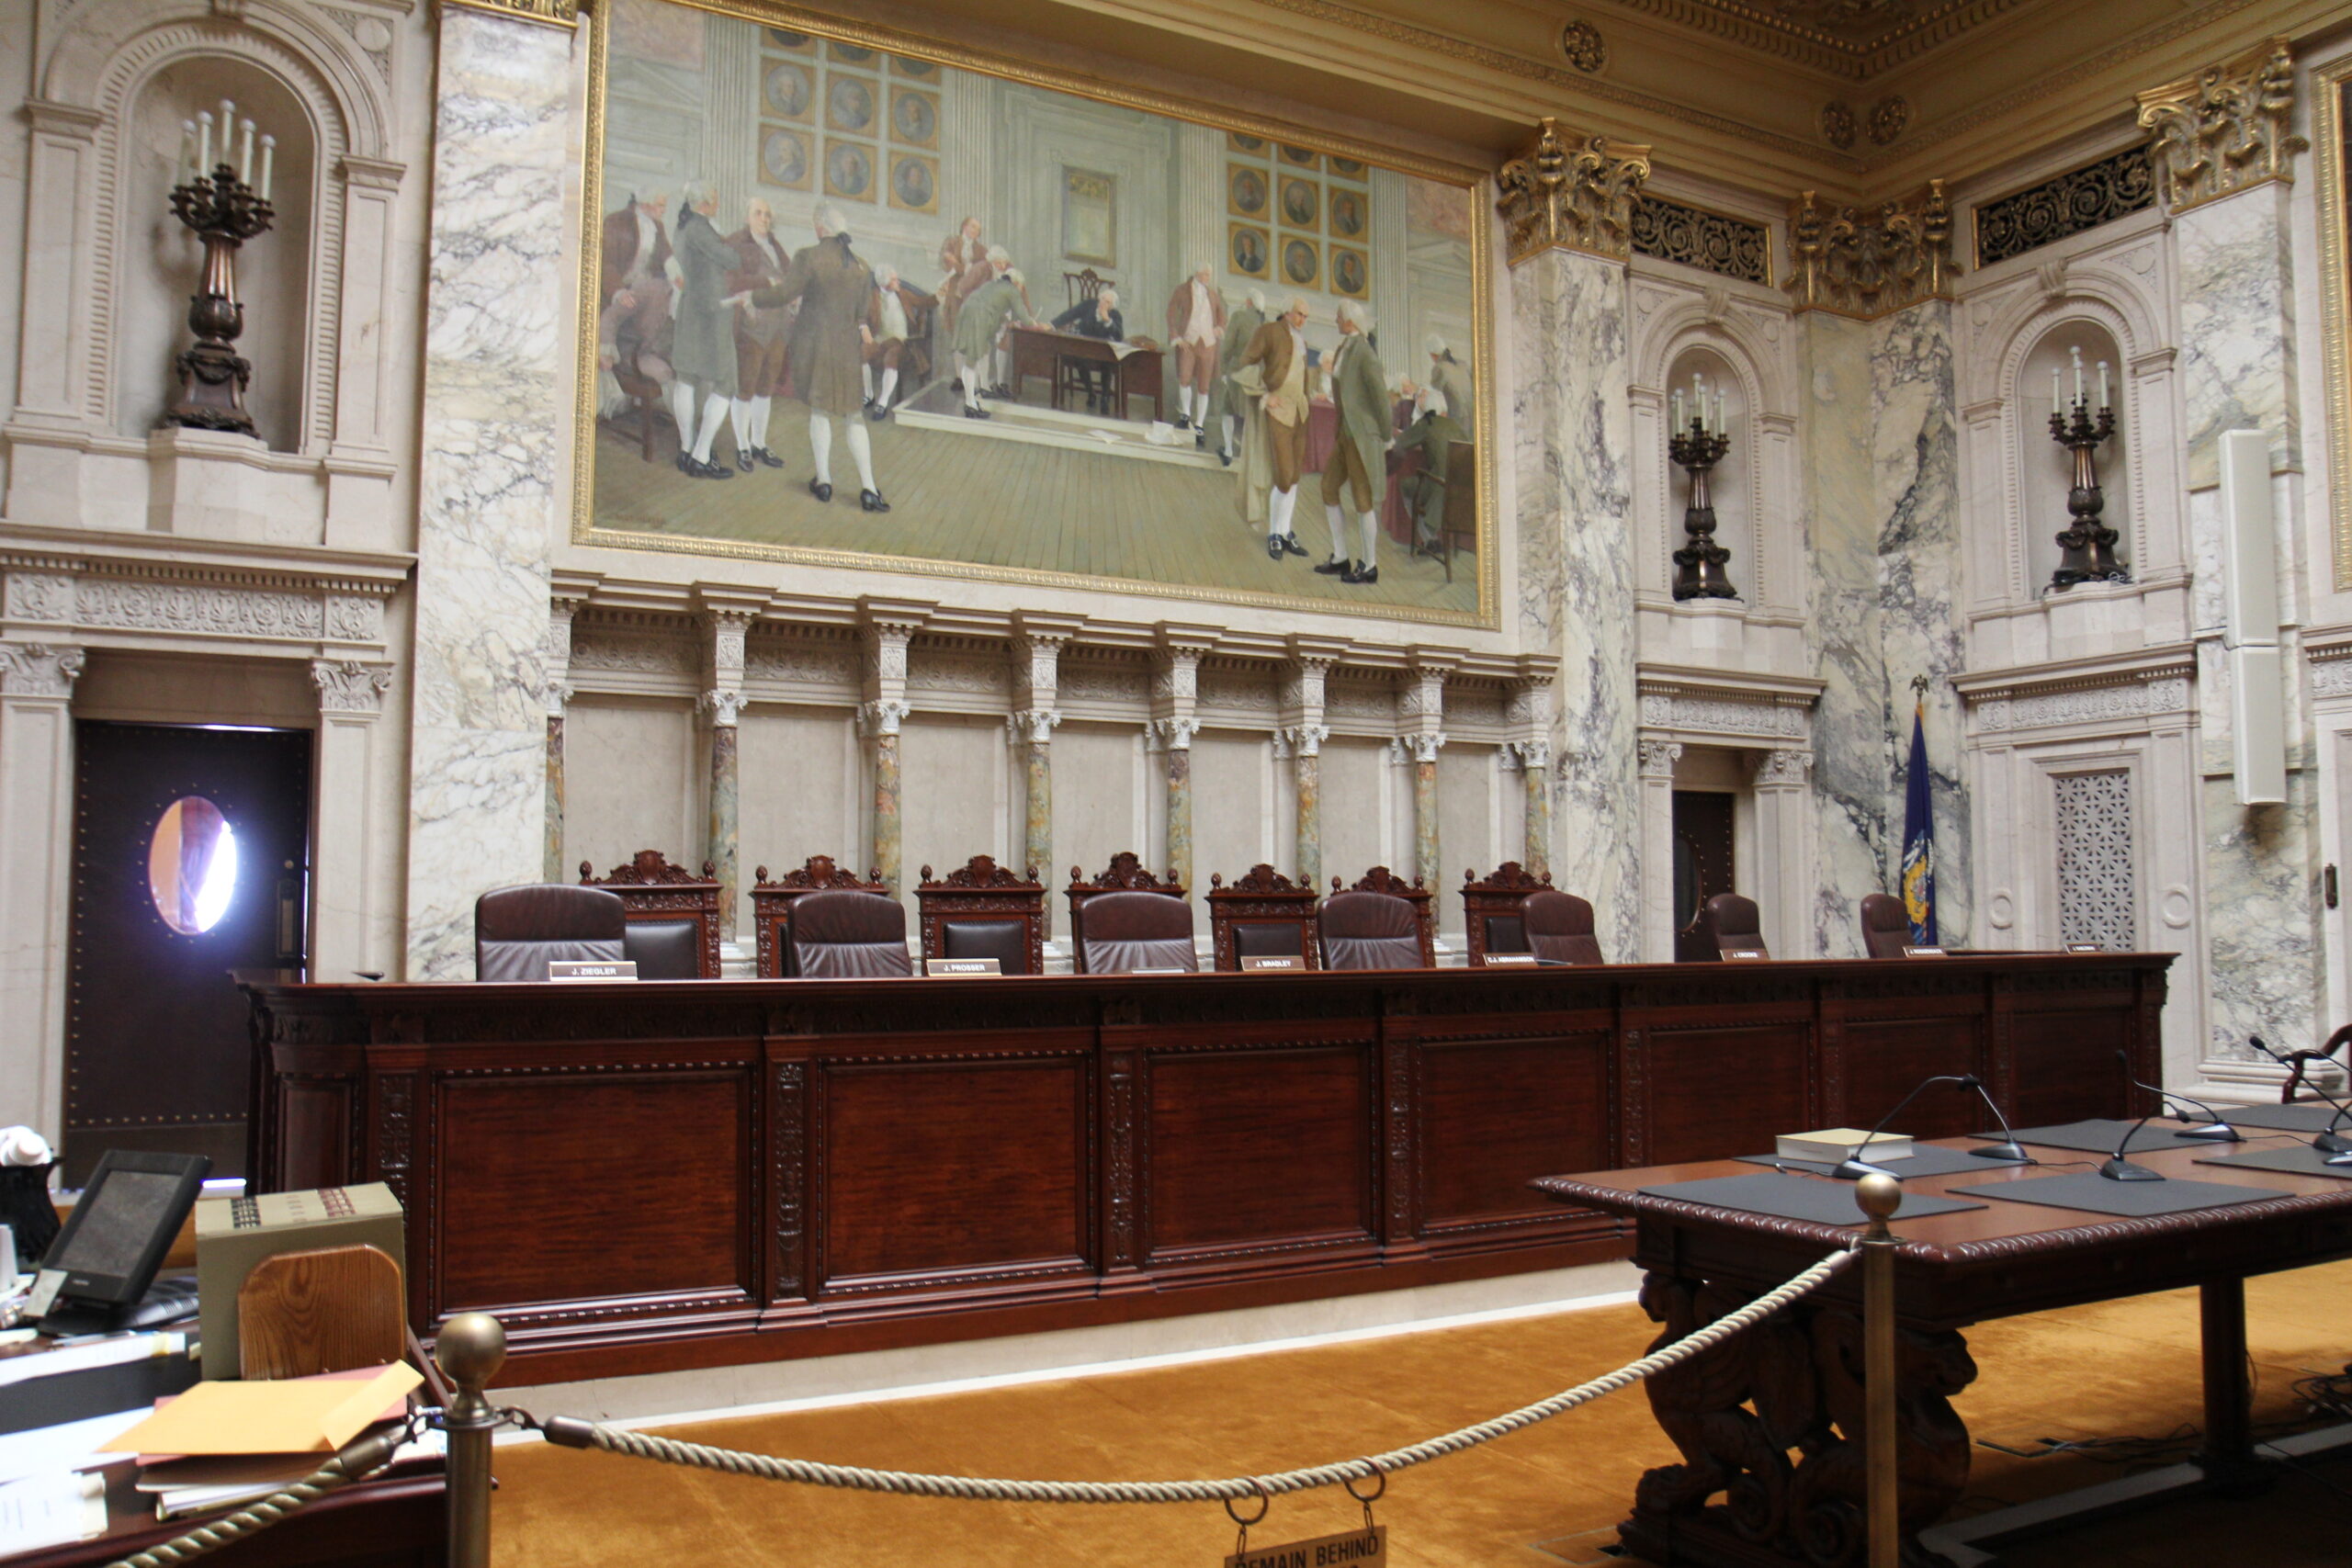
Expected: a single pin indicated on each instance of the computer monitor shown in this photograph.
(106, 1254)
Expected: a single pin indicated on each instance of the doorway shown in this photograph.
(190, 859)
(1703, 851)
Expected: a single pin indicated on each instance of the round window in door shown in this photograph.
(192, 865)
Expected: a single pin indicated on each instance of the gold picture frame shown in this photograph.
(1300, 204)
(1291, 157)
(864, 47)
(1301, 263)
(1350, 273)
(1249, 192)
(850, 170)
(2332, 86)
(914, 118)
(788, 91)
(786, 160)
(1248, 250)
(913, 184)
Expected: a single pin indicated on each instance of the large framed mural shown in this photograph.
(2332, 87)
(854, 298)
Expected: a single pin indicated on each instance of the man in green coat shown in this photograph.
(1240, 326)
(979, 320)
(1432, 435)
(1357, 470)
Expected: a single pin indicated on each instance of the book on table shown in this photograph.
(1832, 1145)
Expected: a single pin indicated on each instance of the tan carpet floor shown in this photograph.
(1551, 1496)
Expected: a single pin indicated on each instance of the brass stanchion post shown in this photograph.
(469, 1350)
(1879, 1195)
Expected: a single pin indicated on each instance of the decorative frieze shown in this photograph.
(1691, 236)
(1773, 716)
(2077, 201)
(1569, 197)
(191, 599)
(2223, 129)
(2131, 695)
(1867, 262)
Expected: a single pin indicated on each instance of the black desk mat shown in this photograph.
(2295, 1159)
(1796, 1198)
(2099, 1135)
(1926, 1161)
(2094, 1194)
(2298, 1118)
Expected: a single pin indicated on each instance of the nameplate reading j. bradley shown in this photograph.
(1356, 1548)
(582, 969)
(1273, 962)
(960, 968)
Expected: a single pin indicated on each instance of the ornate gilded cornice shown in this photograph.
(1851, 39)
(1579, 198)
(555, 13)
(1867, 262)
(2223, 129)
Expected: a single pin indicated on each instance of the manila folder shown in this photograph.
(288, 1416)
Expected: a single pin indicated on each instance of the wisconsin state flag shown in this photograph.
(1920, 837)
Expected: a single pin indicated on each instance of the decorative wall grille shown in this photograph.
(1695, 237)
(2096, 884)
(2054, 209)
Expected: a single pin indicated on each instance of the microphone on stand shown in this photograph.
(2328, 1142)
(2009, 1147)
(1853, 1168)
(2215, 1131)
(2116, 1167)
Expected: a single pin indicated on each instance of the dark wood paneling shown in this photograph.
(556, 1187)
(1259, 1146)
(1496, 1116)
(2067, 1067)
(946, 1169)
(316, 1121)
(1883, 1061)
(1715, 1093)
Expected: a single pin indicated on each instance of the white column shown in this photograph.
(1784, 872)
(359, 460)
(1656, 940)
(36, 849)
(343, 918)
(57, 404)
(1200, 207)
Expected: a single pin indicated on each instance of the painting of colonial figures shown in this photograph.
(851, 300)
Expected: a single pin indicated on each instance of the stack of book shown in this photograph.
(1833, 1145)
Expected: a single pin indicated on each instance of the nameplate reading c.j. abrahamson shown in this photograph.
(1356, 1548)
(1272, 964)
(1511, 961)
(960, 968)
(583, 969)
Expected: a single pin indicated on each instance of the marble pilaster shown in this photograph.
(1031, 733)
(36, 849)
(879, 723)
(1428, 860)
(1783, 883)
(889, 626)
(1573, 432)
(344, 922)
(557, 683)
(1175, 738)
(722, 699)
(1656, 938)
(1535, 769)
(495, 336)
(1304, 744)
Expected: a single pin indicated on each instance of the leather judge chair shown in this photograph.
(1492, 909)
(519, 931)
(771, 906)
(1125, 873)
(848, 935)
(1559, 928)
(1725, 921)
(673, 915)
(982, 910)
(1126, 932)
(1886, 926)
(1263, 915)
(1380, 923)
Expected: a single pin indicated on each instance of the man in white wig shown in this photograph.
(1357, 471)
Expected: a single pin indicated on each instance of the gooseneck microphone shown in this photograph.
(2215, 1131)
(1853, 1168)
(2009, 1147)
(2328, 1142)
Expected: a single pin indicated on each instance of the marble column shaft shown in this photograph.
(725, 790)
(1426, 863)
(1180, 815)
(889, 828)
(1535, 767)
(552, 868)
(35, 847)
(495, 340)
(1573, 432)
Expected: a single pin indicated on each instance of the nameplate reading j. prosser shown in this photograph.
(1356, 1548)
(961, 969)
(582, 969)
(1273, 962)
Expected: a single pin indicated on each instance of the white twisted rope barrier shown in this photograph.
(574, 1433)
(355, 1463)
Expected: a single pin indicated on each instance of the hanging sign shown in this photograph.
(1364, 1547)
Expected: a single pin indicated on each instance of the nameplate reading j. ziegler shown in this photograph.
(1511, 961)
(960, 968)
(1356, 1548)
(1910, 952)
(582, 969)
(1273, 962)
(1747, 954)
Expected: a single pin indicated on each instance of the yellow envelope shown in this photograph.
(292, 1415)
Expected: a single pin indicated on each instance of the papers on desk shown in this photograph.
(51, 1509)
(112, 1350)
(306, 1415)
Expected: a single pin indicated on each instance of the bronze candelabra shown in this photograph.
(1699, 564)
(2088, 545)
(225, 212)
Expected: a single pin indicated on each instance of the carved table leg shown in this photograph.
(1792, 1382)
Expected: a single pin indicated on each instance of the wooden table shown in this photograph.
(1793, 1381)
(1039, 350)
(642, 1178)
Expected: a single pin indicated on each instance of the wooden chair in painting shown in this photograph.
(673, 915)
(771, 906)
(1458, 524)
(1382, 923)
(644, 397)
(1125, 919)
(982, 910)
(1491, 909)
(1263, 915)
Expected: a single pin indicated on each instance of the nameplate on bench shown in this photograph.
(1511, 961)
(961, 969)
(1911, 952)
(583, 969)
(2082, 947)
(1272, 964)
(1745, 955)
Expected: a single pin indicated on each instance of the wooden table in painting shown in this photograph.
(1041, 351)
(705, 1172)
(1793, 1383)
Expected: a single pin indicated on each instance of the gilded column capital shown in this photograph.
(1573, 196)
(1867, 262)
(2223, 129)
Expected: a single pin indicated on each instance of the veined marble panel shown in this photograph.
(495, 330)
(2237, 324)
(2261, 904)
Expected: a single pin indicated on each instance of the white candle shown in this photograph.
(2078, 375)
(204, 145)
(268, 156)
(187, 151)
(1723, 425)
(1678, 411)
(245, 161)
(2103, 401)
(228, 128)
(2053, 388)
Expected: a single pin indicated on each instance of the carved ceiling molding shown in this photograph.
(1571, 196)
(1868, 262)
(1857, 38)
(2224, 129)
(1582, 46)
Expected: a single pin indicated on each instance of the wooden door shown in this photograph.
(190, 860)
(1702, 840)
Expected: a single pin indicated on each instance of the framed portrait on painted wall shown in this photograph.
(835, 310)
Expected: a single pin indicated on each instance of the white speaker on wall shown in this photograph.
(2250, 593)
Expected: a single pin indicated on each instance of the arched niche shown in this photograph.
(2044, 469)
(162, 259)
